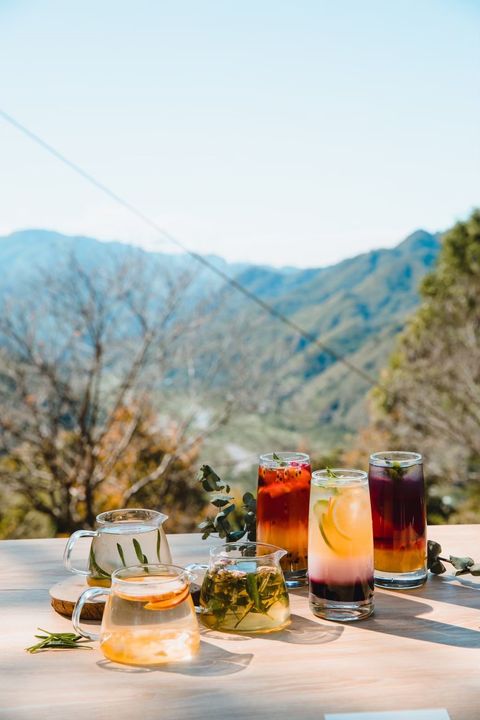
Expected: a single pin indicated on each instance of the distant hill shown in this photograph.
(356, 307)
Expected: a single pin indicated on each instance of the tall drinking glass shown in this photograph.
(397, 493)
(282, 510)
(340, 545)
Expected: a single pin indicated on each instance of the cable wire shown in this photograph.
(310, 337)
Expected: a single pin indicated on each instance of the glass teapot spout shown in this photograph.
(279, 554)
(160, 518)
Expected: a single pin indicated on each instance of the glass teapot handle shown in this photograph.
(196, 572)
(67, 555)
(87, 595)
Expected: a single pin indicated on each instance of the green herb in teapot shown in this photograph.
(245, 594)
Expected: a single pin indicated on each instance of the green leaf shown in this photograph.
(252, 589)
(236, 535)
(279, 460)
(437, 567)
(159, 544)
(210, 480)
(249, 502)
(331, 474)
(58, 641)
(95, 568)
(461, 563)
(122, 556)
(206, 524)
(138, 549)
(139, 553)
(226, 511)
(222, 500)
(433, 551)
(395, 471)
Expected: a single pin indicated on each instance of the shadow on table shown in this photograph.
(458, 590)
(401, 616)
(301, 631)
(210, 661)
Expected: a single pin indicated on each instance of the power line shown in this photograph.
(199, 258)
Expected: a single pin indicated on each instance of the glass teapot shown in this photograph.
(244, 590)
(149, 618)
(125, 537)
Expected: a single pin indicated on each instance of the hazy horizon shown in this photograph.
(172, 250)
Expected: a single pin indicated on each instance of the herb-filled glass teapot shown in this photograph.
(244, 589)
(125, 537)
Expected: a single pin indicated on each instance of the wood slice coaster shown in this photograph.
(65, 594)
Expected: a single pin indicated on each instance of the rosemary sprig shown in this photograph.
(58, 641)
(395, 471)
(331, 474)
(279, 460)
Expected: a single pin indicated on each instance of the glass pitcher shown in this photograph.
(123, 538)
(244, 590)
(149, 617)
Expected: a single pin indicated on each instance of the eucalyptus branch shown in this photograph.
(462, 565)
(222, 523)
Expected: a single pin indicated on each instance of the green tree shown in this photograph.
(430, 395)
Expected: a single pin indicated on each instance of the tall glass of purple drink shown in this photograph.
(397, 496)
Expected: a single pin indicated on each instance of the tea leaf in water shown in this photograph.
(159, 542)
(95, 568)
(229, 596)
(139, 553)
(252, 589)
(122, 556)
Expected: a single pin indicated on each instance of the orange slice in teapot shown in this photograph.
(167, 600)
(162, 596)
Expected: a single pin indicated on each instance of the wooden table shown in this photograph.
(421, 649)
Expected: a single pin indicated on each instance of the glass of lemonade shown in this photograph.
(397, 493)
(340, 545)
(282, 510)
(149, 617)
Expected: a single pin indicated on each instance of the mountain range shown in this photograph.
(355, 307)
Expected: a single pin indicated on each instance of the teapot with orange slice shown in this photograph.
(149, 617)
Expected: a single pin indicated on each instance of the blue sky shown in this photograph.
(297, 132)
